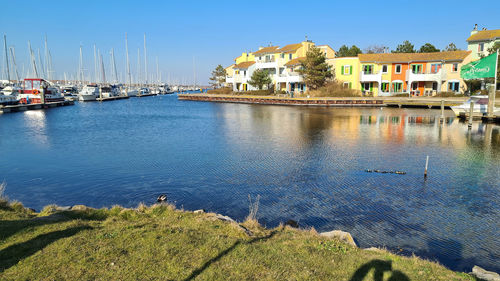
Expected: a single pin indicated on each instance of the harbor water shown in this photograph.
(306, 163)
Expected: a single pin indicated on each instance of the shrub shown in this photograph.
(221, 91)
(448, 94)
(334, 89)
(256, 93)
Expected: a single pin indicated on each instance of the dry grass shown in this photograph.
(334, 89)
(221, 91)
(162, 243)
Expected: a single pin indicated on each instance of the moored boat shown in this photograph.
(35, 90)
(480, 106)
(89, 93)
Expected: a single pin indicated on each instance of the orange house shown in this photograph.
(398, 77)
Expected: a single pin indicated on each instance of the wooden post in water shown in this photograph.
(426, 166)
(491, 102)
(471, 113)
(441, 119)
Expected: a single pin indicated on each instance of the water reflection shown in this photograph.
(35, 121)
(306, 163)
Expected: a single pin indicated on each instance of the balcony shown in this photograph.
(440, 75)
(370, 77)
(289, 77)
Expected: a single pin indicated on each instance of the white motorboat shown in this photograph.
(7, 99)
(89, 93)
(110, 91)
(480, 106)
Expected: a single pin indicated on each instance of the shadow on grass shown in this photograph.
(11, 227)
(380, 267)
(198, 271)
(11, 255)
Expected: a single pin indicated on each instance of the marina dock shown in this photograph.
(34, 106)
(276, 100)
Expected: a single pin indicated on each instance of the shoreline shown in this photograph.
(423, 102)
(250, 229)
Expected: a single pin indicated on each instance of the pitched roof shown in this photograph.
(295, 61)
(409, 57)
(290, 48)
(485, 35)
(266, 50)
(244, 65)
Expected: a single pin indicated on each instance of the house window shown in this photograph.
(397, 87)
(480, 47)
(454, 67)
(345, 85)
(236, 72)
(346, 70)
(367, 86)
(289, 56)
(453, 86)
(368, 69)
(384, 68)
(416, 68)
(244, 73)
(282, 56)
(385, 87)
(434, 86)
(398, 68)
(435, 67)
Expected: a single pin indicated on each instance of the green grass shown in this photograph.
(162, 243)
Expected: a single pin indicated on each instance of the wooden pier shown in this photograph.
(275, 100)
(34, 106)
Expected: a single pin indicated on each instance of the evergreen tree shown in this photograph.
(218, 77)
(315, 69)
(451, 47)
(345, 51)
(354, 51)
(260, 77)
(406, 47)
(428, 48)
(342, 52)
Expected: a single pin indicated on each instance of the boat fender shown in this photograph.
(36, 92)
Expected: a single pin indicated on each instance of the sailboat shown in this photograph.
(128, 90)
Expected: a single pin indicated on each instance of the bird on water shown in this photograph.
(162, 198)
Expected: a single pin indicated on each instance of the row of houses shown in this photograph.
(383, 74)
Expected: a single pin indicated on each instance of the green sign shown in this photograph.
(483, 68)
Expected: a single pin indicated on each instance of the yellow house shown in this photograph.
(346, 71)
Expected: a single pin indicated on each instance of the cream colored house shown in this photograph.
(481, 40)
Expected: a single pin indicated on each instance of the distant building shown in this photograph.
(281, 63)
(481, 40)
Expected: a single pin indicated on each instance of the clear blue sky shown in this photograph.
(215, 32)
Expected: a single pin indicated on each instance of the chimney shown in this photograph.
(474, 31)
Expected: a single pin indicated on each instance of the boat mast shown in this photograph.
(194, 74)
(145, 61)
(96, 77)
(47, 70)
(40, 62)
(6, 56)
(138, 66)
(114, 64)
(14, 61)
(81, 66)
(128, 62)
(157, 72)
(103, 72)
(33, 61)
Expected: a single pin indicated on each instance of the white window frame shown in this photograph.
(345, 85)
(400, 68)
(347, 72)
(386, 68)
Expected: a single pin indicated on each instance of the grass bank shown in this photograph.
(162, 243)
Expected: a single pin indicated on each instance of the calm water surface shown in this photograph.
(307, 164)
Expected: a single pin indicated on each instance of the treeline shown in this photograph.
(405, 47)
